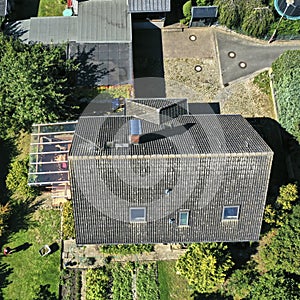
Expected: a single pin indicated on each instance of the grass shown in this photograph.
(171, 285)
(48, 8)
(30, 271)
(262, 80)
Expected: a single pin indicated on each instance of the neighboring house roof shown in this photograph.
(103, 63)
(53, 30)
(205, 162)
(104, 21)
(139, 6)
(201, 12)
(3, 8)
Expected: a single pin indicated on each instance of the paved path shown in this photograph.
(257, 55)
(77, 255)
(215, 43)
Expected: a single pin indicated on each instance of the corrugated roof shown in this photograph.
(139, 6)
(3, 5)
(104, 21)
(53, 29)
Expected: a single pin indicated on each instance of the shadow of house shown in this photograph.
(286, 163)
(148, 61)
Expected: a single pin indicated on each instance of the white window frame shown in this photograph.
(188, 218)
(141, 220)
(231, 218)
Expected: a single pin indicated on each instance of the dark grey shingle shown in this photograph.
(213, 170)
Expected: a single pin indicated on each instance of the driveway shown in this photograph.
(256, 55)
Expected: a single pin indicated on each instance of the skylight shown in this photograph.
(137, 214)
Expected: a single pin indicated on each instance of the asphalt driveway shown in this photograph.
(256, 55)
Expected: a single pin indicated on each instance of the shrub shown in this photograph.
(146, 282)
(97, 284)
(16, 180)
(68, 221)
(126, 249)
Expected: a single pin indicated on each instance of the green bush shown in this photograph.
(16, 180)
(126, 249)
(146, 282)
(187, 8)
(122, 281)
(68, 221)
(286, 78)
(97, 284)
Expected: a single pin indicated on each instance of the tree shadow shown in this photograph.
(44, 293)
(22, 247)
(101, 64)
(5, 271)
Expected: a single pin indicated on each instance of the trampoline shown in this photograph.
(288, 8)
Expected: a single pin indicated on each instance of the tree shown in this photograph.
(257, 21)
(240, 281)
(34, 84)
(282, 250)
(276, 215)
(205, 266)
(274, 286)
(228, 12)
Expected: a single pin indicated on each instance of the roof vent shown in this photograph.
(171, 221)
(135, 131)
(168, 191)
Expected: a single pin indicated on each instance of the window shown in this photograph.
(137, 214)
(230, 212)
(183, 218)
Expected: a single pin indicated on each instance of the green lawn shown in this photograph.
(171, 285)
(31, 272)
(48, 8)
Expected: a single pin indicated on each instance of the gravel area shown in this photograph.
(245, 98)
(183, 81)
(180, 58)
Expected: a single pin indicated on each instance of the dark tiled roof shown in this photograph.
(213, 170)
(201, 134)
(158, 110)
(139, 6)
(200, 12)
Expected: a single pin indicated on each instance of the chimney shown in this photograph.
(135, 131)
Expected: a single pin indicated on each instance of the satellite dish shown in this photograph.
(288, 8)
